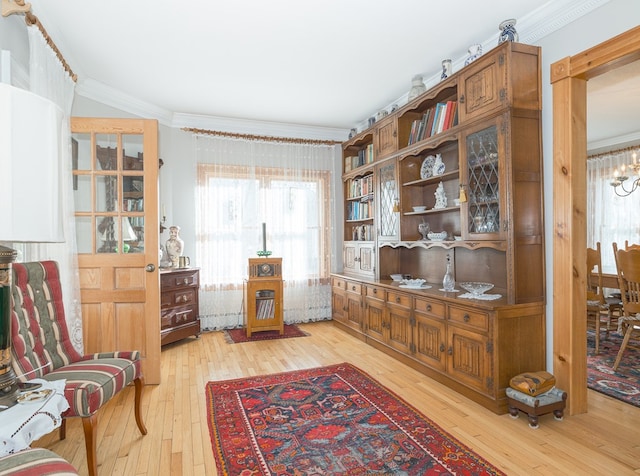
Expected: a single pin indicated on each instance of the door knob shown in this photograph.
(150, 268)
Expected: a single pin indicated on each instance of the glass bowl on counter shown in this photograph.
(475, 287)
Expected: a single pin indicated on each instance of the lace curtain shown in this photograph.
(49, 79)
(610, 218)
(243, 184)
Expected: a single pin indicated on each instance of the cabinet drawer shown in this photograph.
(374, 292)
(427, 306)
(399, 299)
(176, 280)
(354, 287)
(477, 320)
(338, 283)
(184, 297)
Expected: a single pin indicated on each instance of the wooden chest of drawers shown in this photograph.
(179, 304)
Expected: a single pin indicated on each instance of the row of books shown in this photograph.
(133, 205)
(362, 233)
(364, 157)
(359, 210)
(437, 119)
(265, 308)
(360, 187)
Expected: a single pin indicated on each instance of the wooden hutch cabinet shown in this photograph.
(179, 304)
(489, 144)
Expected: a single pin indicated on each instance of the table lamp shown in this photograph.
(30, 175)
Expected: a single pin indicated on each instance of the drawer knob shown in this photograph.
(398, 300)
(450, 351)
(353, 288)
(185, 281)
(442, 347)
(466, 318)
(375, 291)
(429, 307)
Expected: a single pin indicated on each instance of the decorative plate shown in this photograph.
(34, 396)
(426, 170)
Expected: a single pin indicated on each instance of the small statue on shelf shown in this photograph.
(175, 245)
(441, 197)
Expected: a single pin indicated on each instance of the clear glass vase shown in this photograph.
(448, 282)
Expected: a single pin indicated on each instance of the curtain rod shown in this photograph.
(234, 135)
(617, 151)
(10, 7)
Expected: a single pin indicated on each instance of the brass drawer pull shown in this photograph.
(466, 318)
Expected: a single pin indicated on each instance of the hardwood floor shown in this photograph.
(602, 441)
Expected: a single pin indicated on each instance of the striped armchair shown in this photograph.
(41, 348)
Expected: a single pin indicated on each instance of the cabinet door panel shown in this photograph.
(429, 340)
(483, 162)
(483, 87)
(338, 303)
(399, 327)
(374, 319)
(469, 359)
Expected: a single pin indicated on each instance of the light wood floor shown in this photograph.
(604, 441)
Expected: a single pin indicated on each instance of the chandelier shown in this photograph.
(621, 177)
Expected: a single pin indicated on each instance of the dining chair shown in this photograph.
(628, 264)
(597, 306)
(41, 348)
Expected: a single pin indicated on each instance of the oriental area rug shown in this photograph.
(333, 420)
(623, 384)
(235, 336)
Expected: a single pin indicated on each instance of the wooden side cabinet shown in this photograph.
(263, 296)
(179, 304)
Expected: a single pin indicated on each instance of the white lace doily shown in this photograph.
(481, 297)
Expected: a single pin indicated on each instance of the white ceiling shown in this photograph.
(327, 64)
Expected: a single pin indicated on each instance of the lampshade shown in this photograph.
(30, 167)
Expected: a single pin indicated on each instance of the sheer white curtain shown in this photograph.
(243, 184)
(49, 79)
(610, 218)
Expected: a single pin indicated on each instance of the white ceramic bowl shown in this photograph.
(419, 209)
(414, 282)
(439, 236)
(476, 288)
(397, 277)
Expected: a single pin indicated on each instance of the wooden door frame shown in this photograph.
(569, 78)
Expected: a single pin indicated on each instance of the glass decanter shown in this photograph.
(448, 282)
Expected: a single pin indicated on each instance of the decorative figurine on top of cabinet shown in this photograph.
(508, 31)
(446, 69)
(475, 51)
(417, 87)
(175, 245)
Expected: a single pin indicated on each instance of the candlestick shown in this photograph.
(264, 237)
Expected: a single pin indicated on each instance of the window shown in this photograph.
(234, 202)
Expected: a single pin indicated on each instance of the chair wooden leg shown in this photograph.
(63, 429)
(625, 341)
(90, 425)
(139, 385)
(597, 316)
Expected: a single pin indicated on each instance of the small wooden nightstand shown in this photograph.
(179, 304)
(263, 296)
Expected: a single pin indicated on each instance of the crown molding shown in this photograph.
(627, 140)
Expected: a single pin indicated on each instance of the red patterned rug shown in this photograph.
(236, 336)
(332, 420)
(623, 384)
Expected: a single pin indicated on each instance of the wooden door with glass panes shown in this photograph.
(115, 187)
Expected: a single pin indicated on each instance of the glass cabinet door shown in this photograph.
(388, 196)
(483, 158)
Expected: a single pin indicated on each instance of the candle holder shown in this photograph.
(264, 253)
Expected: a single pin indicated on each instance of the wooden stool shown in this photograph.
(555, 400)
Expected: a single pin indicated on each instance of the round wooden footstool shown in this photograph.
(554, 400)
